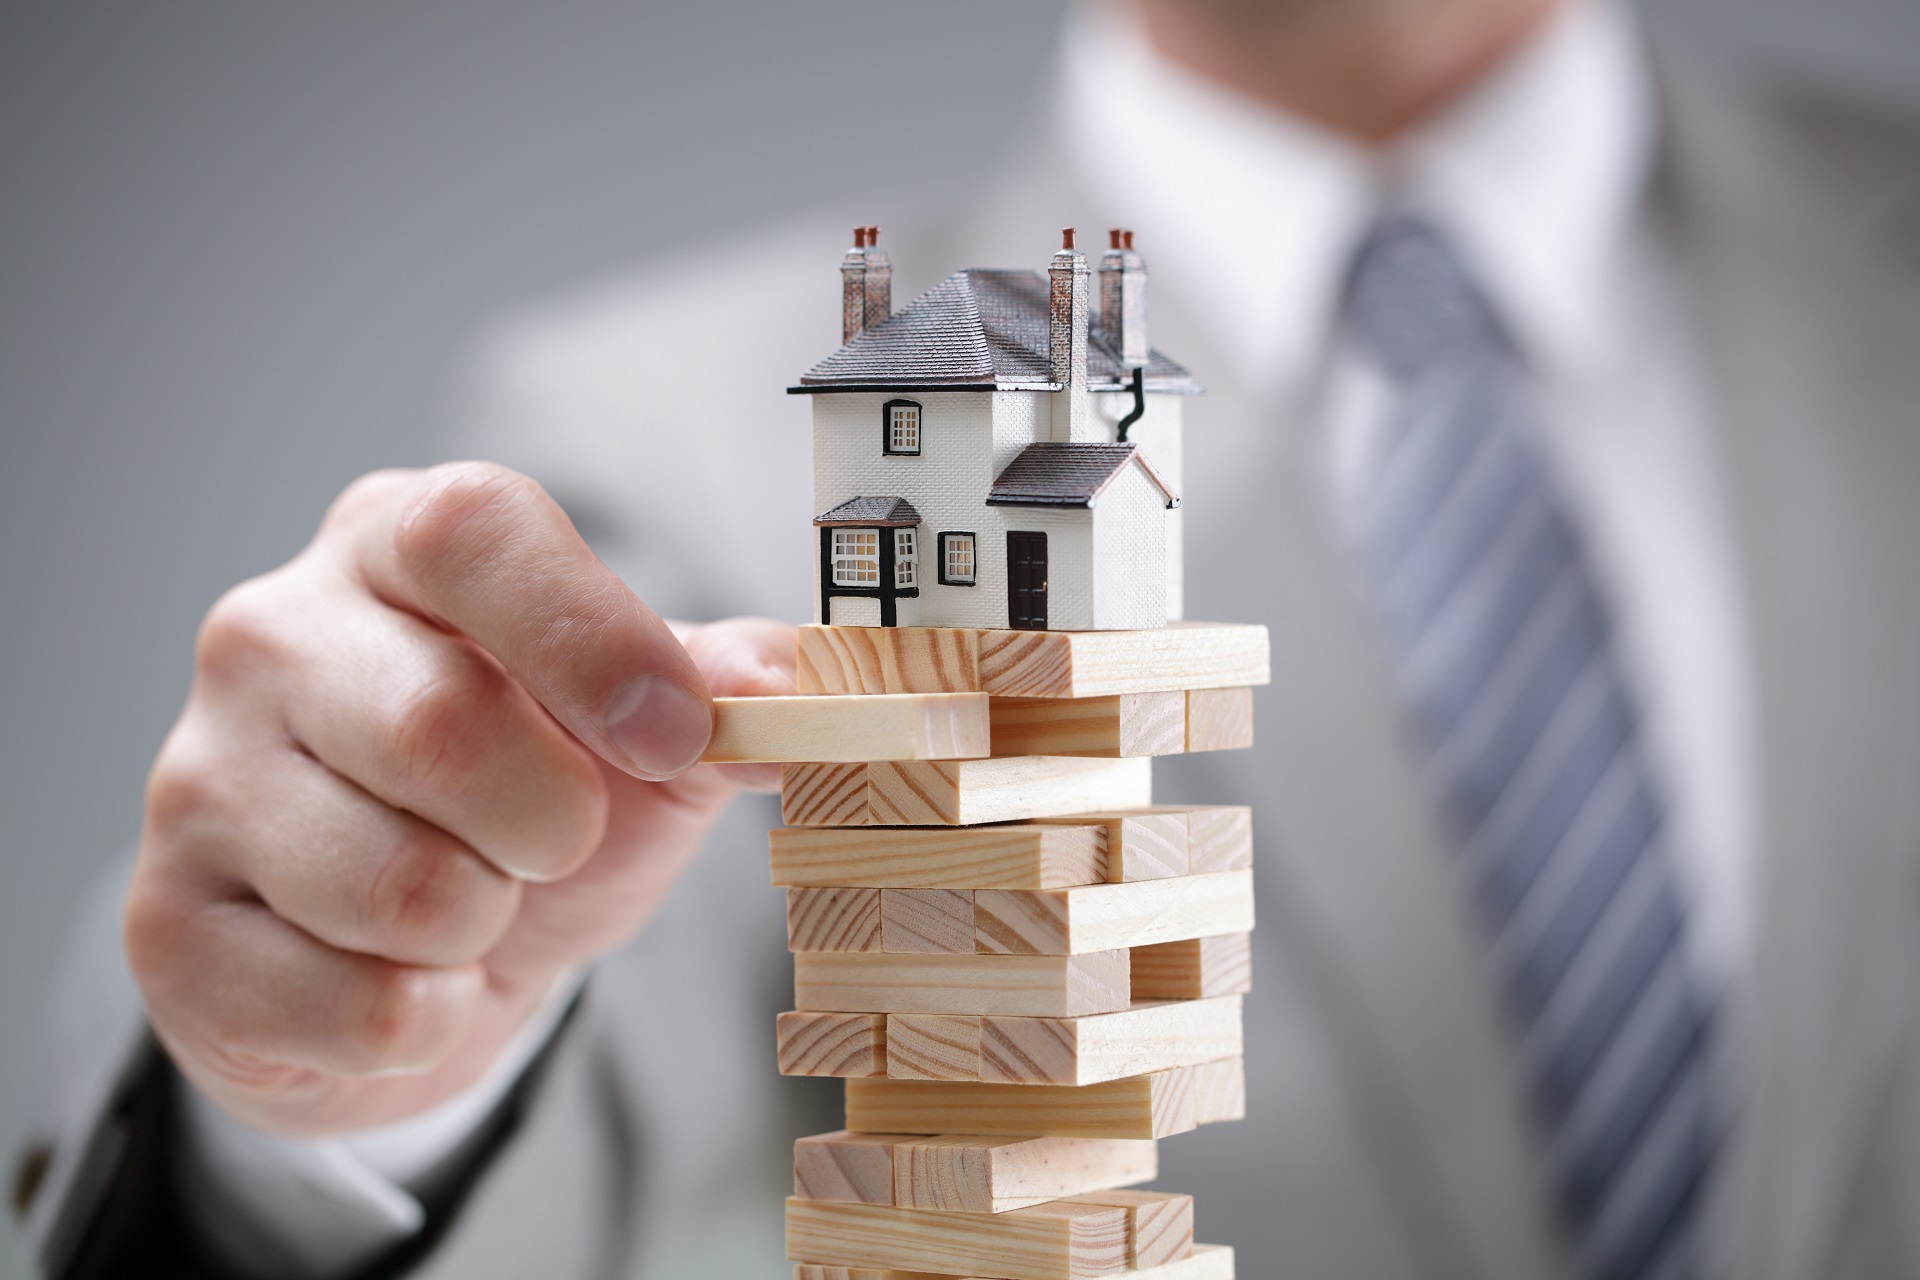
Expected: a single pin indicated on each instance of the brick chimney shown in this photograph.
(866, 284)
(1123, 298)
(1068, 281)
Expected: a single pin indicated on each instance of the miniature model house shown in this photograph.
(991, 456)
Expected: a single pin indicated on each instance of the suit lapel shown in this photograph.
(1814, 370)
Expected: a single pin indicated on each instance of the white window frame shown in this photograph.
(902, 428)
(906, 558)
(856, 557)
(949, 542)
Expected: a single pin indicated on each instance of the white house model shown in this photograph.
(990, 456)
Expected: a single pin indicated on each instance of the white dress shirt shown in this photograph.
(1540, 177)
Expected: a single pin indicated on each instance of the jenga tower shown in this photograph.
(1027, 971)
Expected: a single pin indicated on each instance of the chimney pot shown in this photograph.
(1066, 237)
(1129, 238)
(873, 237)
(1113, 238)
(859, 237)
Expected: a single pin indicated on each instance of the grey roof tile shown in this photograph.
(981, 329)
(877, 511)
(1053, 474)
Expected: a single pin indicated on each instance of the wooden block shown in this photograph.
(1118, 725)
(1027, 986)
(1159, 1224)
(841, 660)
(1147, 844)
(1059, 1240)
(933, 1046)
(823, 795)
(1206, 1262)
(1194, 968)
(1055, 856)
(958, 792)
(894, 726)
(1103, 917)
(967, 792)
(1157, 1105)
(1219, 837)
(1111, 1046)
(845, 1166)
(832, 1044)
(994, 1175)
(1031, 664)
(833, 920)
(1219, 719)
(926, 920)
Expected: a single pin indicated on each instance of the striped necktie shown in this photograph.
(1500, 644)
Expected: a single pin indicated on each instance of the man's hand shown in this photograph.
(427, 767)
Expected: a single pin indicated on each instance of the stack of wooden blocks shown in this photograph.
(1027, 971)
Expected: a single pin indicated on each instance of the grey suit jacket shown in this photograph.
(1387, 1134)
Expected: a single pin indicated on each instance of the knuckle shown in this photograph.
(154, 933)
(182, 789)
(459, 509)
(241, 633)
(436, 740)
(433, 902)
(399, 1016)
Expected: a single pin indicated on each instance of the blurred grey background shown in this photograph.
(243, 244)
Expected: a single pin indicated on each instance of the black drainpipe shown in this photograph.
(1139, 402)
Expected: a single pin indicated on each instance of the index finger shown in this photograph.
(483, 551)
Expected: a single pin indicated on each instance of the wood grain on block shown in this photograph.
(917, 726)
(1206, 1262)
(1142, 845)
(1091, 664)
(968, 792)
(1194, 968)
(887, 660)
(1121, 724)
(926, 920)
(1219, 719)
(832, 1044)
(1159, 1224)
(1219, 837)
(994, 1175)
(833, 919)
(1059, 1240)
(1026, 986)
(845, 1166)
(1157, 1105)
(1031, 664)
(823, 795)
(1103, 917)
(1110, 1046)
(1023, 856)
(933, 1046)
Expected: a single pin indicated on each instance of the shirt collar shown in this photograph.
(1252, 214)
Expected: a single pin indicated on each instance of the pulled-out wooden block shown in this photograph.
(1103, 917)
(1030, 664)
(855, 1167)
(1157, 1105)
(958, 792)
(903, 726)
(995, 1175)
(1219, 837)
(926, 920)
(1146, 844)
(1115, 726)
(833, 919)
(832, 1044)
(965, 1174)
(1021, 856)
(1159, 1224)
(1026, 986)
(1206, 1262)
(1110, 1046)
(933, 1046)
(1219, 719)
(1059, 1240)
(1194, 968)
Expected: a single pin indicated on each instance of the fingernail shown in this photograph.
(661, 725)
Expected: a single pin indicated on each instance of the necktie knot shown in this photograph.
(1411, 303)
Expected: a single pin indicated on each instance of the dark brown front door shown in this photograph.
(1027, 581)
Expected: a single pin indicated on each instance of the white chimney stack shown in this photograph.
(1123, 299)
(1068, 280)
(866, 284)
